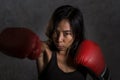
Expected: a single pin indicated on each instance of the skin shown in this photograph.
(63, 39)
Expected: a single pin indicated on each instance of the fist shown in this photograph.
(90, 56)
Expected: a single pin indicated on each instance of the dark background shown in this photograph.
(102, 23)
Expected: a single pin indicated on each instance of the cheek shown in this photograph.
(70, 41)
(53, 37)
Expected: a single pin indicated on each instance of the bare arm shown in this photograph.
(44, 58)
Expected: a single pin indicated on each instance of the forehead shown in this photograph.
(64, 25)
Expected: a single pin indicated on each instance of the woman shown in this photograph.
(64, 32)
(66, 55)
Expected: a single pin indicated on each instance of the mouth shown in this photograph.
(60, 47)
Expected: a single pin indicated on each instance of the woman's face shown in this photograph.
(63, 36)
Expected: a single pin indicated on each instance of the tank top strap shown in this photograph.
(53, 58)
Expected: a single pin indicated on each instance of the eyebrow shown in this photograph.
(67, 31)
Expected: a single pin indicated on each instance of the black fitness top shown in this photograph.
(53, 72)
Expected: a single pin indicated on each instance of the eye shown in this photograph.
(55, 33)
(67, 33)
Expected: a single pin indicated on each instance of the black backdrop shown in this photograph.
(102, 23)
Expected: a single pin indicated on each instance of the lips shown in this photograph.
(59, 46)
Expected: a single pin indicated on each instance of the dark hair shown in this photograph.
(75, 18)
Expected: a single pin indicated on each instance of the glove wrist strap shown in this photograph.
(105, 75)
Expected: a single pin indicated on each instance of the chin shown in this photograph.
(61, 49)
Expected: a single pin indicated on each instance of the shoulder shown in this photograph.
(44, 57)
(46, 51)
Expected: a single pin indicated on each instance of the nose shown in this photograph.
(60, 37)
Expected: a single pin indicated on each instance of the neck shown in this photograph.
(63, 57)
(64, 53)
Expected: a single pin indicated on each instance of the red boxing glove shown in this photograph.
(20, 42)
(90, 56)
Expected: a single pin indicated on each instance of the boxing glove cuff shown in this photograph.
(105, 75)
